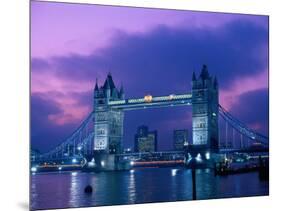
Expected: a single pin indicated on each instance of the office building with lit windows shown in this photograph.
(145, 140)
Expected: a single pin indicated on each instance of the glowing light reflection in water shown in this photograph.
(66, 189)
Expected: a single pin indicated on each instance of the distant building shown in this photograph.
(145, 141)
(34, 153)
(180, 139)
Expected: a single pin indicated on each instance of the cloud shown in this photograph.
(231, 51)
(44, 133)
(252, 108)
(38, 64)
(230, 95)
(46, 130)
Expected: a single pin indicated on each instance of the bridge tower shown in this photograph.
(108, 122)
(205, 110)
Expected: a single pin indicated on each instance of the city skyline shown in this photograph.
(148, 56)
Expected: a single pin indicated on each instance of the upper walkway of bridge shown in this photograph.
(150, 101)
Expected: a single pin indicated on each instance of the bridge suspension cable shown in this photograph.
(76, 142)
(242, 128)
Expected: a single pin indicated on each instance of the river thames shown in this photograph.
(141, 185)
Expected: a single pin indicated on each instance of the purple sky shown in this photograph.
(149, 51)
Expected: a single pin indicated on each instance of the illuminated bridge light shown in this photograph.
(117, 102)
(33, 169)
(198, 157)
(182, 96)
(160, 98)
(148, 98)
(74, 160)
(171, 96)
(174, 172)
(140, 100)
(132, 163)
(207, 155)
(91, 164)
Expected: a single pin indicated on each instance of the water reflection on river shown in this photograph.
(66, 189)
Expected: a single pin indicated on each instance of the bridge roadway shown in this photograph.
(156, 154)
(143, 159)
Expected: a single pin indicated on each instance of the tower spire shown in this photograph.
(204, 72)
(106, 84)
(109, 83)
(121, 89)
(193, 76)
(215, 82)
(121, 92)
(96, 86)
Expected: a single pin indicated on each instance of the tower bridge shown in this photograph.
(100, 136)
(110, 105)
